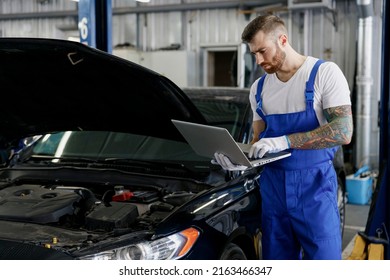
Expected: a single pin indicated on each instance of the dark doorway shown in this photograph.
(222, 68)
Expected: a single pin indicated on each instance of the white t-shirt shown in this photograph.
(330, 90)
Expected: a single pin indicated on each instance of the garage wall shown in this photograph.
(313, 31)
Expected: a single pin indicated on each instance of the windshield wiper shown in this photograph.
(166, 166)
(54, 159)
(145, 162)
(161, 165)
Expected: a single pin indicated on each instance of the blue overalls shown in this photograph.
(299, 193)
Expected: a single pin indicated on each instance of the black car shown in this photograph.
(93, 168)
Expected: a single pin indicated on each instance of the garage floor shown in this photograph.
(355, 221)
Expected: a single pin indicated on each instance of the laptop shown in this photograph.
(205, 140)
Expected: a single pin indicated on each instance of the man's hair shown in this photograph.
(266, 23)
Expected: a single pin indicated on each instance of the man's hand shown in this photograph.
(269, 145)
(226, 163)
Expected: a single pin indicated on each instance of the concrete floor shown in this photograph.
(355, 221)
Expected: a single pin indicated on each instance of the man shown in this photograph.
(302, 106)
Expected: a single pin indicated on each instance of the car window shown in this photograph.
(228, 109)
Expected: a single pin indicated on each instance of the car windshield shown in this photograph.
(105, 145)
(220, 111)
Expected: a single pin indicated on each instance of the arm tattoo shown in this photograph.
(338, 131)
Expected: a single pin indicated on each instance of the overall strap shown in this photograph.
(259, 100)
(309, 91)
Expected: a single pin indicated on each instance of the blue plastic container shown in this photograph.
(359, 189)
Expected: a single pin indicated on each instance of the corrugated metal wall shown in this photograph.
(38, 18)
(316, 32)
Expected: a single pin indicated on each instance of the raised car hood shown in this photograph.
(54, 85)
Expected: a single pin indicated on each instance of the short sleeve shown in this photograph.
(333, 86)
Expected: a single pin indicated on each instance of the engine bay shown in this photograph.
(76, 215)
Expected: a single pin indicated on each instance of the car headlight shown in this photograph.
(167, 248)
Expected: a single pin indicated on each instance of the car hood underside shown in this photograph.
(53, 85)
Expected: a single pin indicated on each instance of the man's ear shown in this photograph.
(283, 39)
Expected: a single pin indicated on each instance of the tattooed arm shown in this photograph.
(338, 131)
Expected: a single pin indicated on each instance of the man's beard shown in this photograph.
(276, 63)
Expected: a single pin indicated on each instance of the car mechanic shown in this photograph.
(302, 104)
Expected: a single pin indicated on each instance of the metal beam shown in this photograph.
(243, 5)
